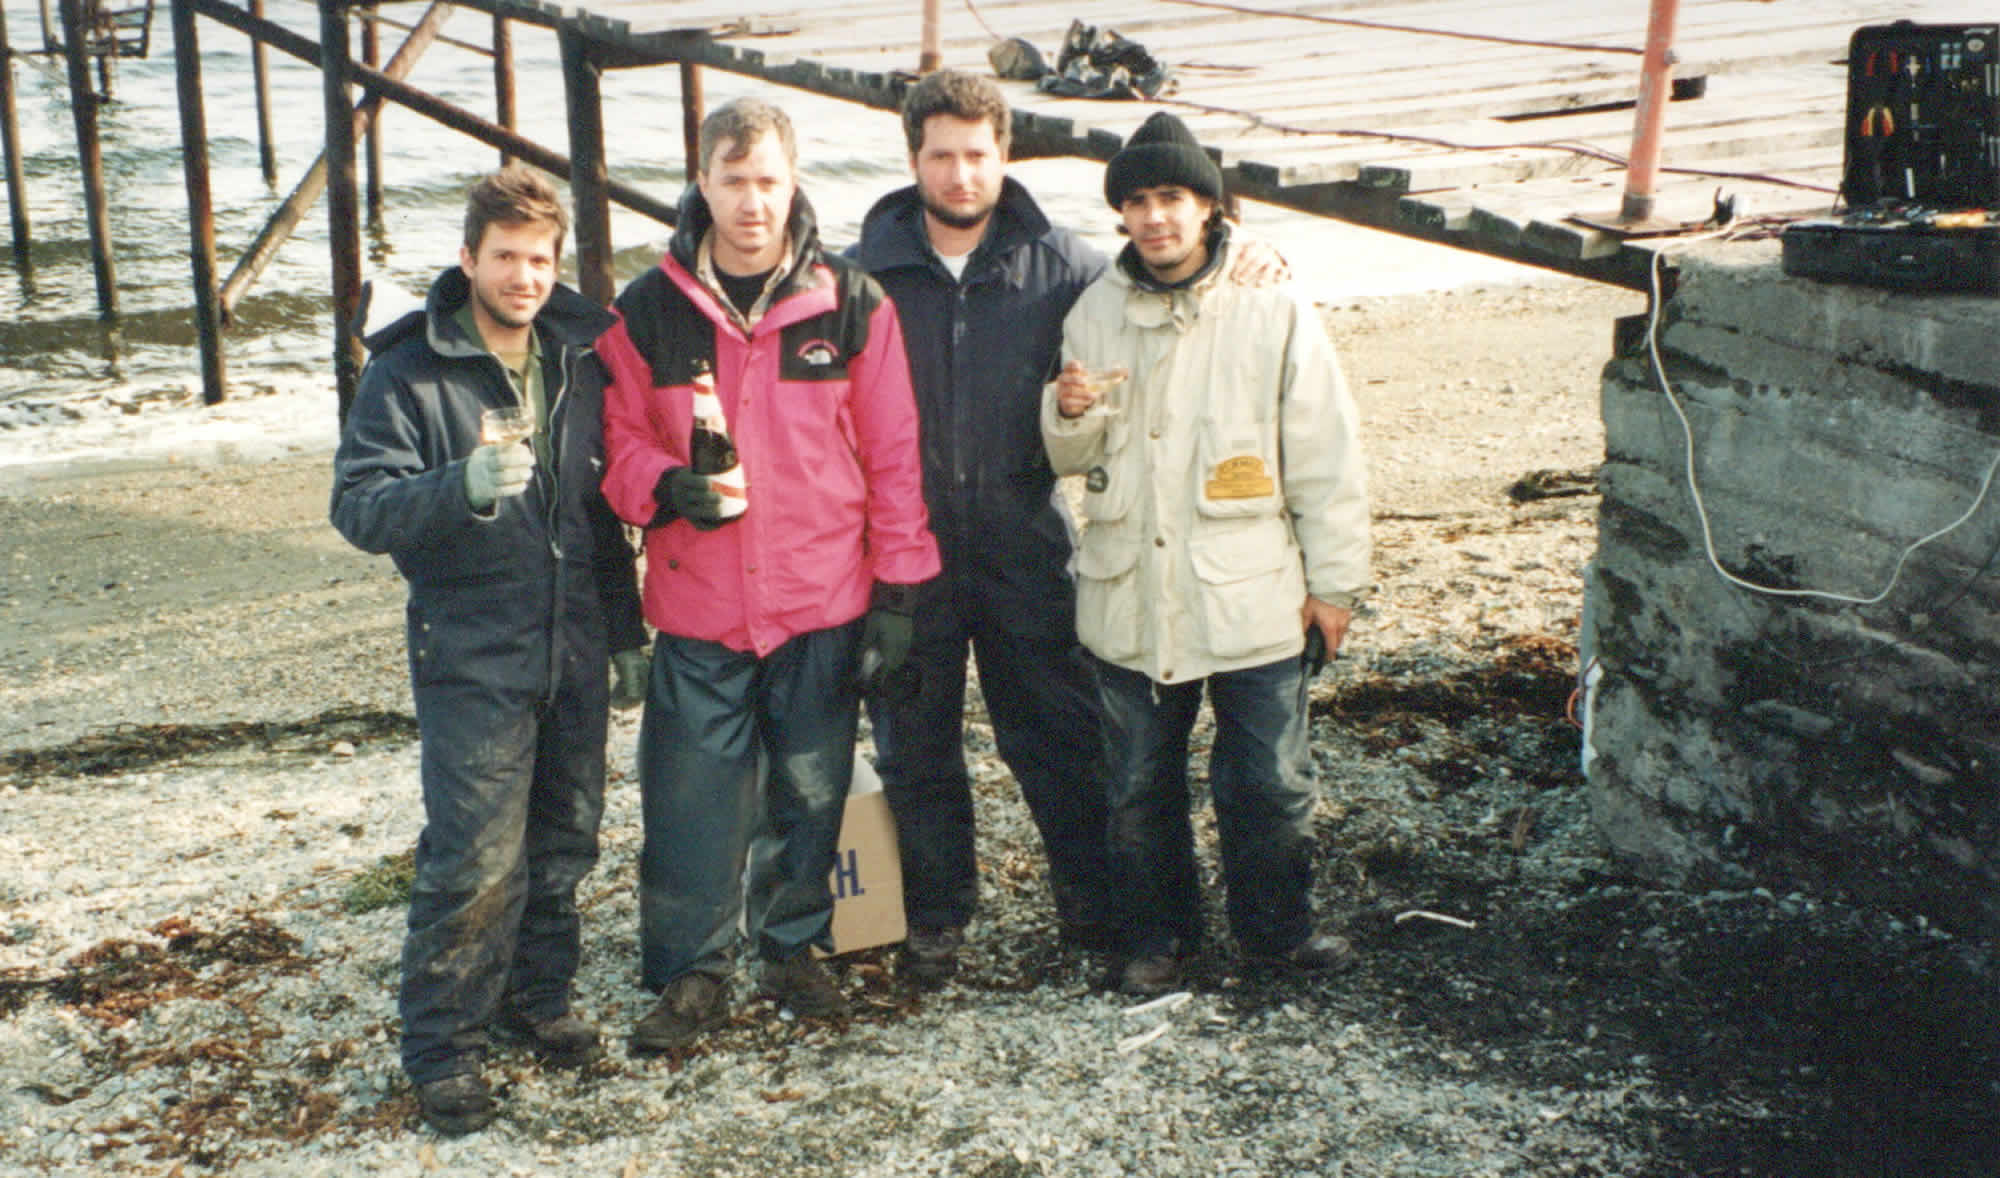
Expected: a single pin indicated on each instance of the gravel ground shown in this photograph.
(205, 748)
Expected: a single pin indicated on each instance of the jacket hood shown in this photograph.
(801, 226)
(388, 315)
(892, 234)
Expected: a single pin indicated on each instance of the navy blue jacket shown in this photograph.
(542, 582)
(980, 350)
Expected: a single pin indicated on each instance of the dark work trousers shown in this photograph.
(742, 761)
(1043, 704)
(513, 793)
(1260, 776)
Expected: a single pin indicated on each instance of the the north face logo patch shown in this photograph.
(818, 353)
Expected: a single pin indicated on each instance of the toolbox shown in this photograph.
(1921, 174)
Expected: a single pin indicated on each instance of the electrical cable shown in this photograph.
(1694, 484)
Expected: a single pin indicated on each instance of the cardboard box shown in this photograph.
(867, 878)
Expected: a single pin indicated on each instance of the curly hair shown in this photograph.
(961, 96)
(742, 123)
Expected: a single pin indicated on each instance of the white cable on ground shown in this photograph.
(1694, 485)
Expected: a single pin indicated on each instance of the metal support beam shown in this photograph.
(503, 78)
(260, 74)
(286, 219)
(435, 109)
(588, 177)
(931, 56)
(1656, 79)
(201, 206)
(10, 150)
(343, 221)
(371, 53)
(692, 113)
(90, 156)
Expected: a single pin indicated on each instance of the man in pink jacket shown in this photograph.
(764, 617)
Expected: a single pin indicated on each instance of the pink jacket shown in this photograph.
(818, 400)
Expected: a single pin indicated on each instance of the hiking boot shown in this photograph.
(803, 986)
(563, 1041)
(691, 1005)
(1149, 974)
(457, 1104)
(1318, 953)
(930, 955)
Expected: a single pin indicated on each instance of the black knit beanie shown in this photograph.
(1161, 151)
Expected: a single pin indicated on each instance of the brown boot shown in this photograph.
(803, 986)
(690, 1006)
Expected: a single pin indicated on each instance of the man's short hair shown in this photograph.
(960, 95)
(513, 196)
(743, 122)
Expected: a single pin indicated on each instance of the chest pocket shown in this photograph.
(814, 350)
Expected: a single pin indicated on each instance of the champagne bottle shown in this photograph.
(711, 452)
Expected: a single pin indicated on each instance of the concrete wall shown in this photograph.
(1739, 738)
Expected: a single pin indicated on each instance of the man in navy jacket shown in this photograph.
(520, 582)
(982, 282)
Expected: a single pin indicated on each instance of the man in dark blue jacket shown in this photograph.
(982, 282)
(520, 583)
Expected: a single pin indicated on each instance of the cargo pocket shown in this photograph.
(1107, 598)
(1238, 470)
(1252, 586)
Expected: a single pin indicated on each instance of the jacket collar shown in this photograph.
(567, 319)
(892, 234)
(1149, 303)
(801, 235)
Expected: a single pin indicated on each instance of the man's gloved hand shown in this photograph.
(497, 470)
(630, 671)
(683, 494)
(886, 637)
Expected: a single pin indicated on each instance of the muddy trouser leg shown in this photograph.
(1151, 840)
(808, 720)
(699, 804)
(920, 754)
(478, 749)
(564, 810)
(1043, 702)
(1261, 776)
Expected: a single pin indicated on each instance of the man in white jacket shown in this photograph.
(1227, 517)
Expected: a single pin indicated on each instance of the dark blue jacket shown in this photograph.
(980, 350)
(542, 582)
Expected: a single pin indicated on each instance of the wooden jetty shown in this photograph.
(1498, 126)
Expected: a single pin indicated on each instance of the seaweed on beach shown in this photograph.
(115, 980)
(123, 748)
(385, 885)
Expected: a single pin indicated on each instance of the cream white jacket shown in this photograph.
(1226, 483)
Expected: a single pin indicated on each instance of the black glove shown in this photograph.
(886, 636)
(683, 494)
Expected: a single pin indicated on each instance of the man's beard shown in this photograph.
(954, 218)
(502, 315)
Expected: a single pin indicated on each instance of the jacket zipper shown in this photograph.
(554, 509)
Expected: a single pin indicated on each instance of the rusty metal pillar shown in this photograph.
(932, 55)
(260, 76)
(201, 206)
(83, 102)
(1656, 80)
(343, 220)
(10, 148)
(371, 56)
(589, 179)
(692, 113)
(503, 78)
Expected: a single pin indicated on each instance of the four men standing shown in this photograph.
(773, 619)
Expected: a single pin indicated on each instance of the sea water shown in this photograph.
(73, 385)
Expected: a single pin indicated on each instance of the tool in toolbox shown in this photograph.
(1921, 176)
